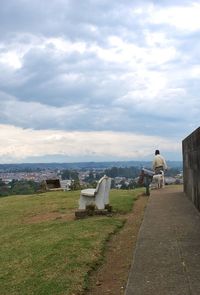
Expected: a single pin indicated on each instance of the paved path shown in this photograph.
(167, 256)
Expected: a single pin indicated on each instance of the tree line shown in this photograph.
(18, 187)
(22, 187)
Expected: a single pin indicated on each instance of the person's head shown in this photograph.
(157, 152)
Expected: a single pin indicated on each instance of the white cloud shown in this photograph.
(122, 51)
(115, 48)
(11, 59)
(146, 87)
(13, 51)
(17, 144)
(184, 18)
(194, 72)
(65, 46)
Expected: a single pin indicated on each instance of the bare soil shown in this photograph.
(111, 277)
(49, 217)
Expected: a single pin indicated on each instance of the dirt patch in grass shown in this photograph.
(50, 216)
(111, 277)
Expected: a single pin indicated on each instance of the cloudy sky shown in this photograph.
(97, 80)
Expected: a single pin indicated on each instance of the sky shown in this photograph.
(97, 80)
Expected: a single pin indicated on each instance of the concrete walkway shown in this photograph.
(167, 256)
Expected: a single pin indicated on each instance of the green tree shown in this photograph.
(90, 178)
(75, 185)
(69, 174)
(23, 187)
(4, 189)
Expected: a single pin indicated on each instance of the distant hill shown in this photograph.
(82, 165)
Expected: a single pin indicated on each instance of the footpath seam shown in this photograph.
(183, 263)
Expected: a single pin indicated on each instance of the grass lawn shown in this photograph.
(43, 250)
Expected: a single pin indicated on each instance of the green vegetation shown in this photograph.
(122, 200)
(69, 174)
(128, 172)
(44, 250)
(18, 187)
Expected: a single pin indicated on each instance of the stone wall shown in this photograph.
(191, 166)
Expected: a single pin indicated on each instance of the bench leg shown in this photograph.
(84, 201)
(99, 202)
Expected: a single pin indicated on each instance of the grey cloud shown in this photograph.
(70, 18)
(41, 93)
(78, 117)
(45, 77)
(74, 18)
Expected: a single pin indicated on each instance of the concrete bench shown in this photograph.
(98, 196)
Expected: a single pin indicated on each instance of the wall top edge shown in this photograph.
(196, 132)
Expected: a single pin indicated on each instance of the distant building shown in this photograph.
(170, 180)
(66, 184)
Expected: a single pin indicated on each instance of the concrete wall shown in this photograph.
(191, 166)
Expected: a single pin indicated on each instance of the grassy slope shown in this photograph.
(52, 256)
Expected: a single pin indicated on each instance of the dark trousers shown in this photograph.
(158, 169)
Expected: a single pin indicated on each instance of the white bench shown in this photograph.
(98, 196)
(107, 191)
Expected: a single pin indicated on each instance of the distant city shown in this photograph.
(79, 175)
(82, 165)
